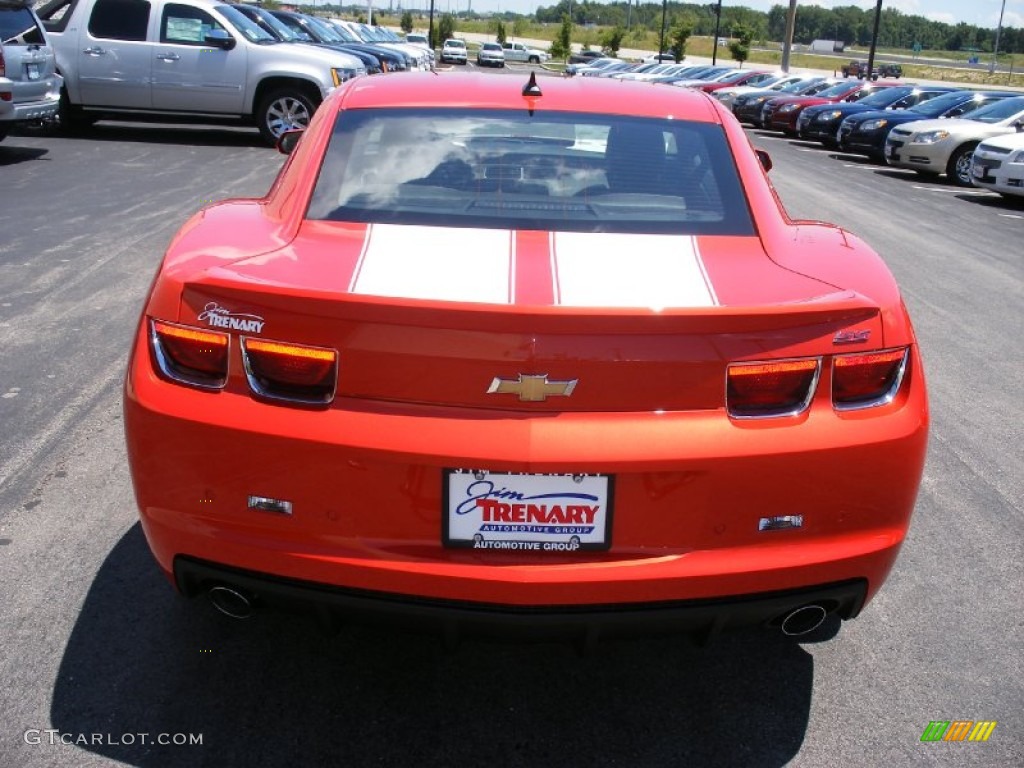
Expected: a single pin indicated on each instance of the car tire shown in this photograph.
(534, 60)
(958, 170)
(283, 109)
(71, 117)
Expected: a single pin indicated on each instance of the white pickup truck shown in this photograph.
(185, 58)
(524, 53)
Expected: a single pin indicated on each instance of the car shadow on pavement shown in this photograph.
(187, 134)
(1012, 205)
(11, 153)
(849, 157)
(274, 690)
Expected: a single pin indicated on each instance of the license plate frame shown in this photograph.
(541, 513)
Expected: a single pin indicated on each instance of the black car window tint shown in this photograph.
(18, 27)
(498, 169)
(120, 20)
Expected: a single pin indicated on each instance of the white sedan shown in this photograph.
(946, 145)
(998, 164)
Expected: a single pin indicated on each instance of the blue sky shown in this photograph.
(983, 13)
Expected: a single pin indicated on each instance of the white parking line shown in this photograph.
(953, 190)
(1010, 215)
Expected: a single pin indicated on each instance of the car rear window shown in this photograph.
(18, 27)
(556, 171)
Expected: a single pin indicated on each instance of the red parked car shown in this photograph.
(780, 114)
(534, 356)
(736, 79)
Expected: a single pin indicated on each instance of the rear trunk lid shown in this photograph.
(528, 321)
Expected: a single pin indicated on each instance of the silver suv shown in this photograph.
(186, 58)
(29, 84)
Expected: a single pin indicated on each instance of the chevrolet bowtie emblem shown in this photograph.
(532, 388)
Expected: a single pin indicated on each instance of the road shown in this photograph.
(99, 650)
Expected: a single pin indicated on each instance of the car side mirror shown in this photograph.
(218, 38)
(1019, 125)
(765, 158)
(288, 140)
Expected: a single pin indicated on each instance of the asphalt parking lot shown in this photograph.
(98, 650)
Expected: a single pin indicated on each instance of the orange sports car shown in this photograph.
(540, 357)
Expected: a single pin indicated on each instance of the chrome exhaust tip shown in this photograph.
(230, 601)
(803, 620)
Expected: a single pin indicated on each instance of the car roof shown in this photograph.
(480, 91)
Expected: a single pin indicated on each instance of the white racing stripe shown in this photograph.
(617, 270)
(439, 263)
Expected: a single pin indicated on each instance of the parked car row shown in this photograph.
(196, 58)
(972, 137)
(492, 54)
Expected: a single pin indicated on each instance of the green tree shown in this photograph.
(611, 41)
(500, 34)
(561, 46)
(446, 27)
(406, 23)
(679, 36)
(740, 48)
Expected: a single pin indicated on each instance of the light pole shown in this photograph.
(999, 30)
(718, 26)
(661, 42)
(787, 43)
(430, 31)
(874, 39)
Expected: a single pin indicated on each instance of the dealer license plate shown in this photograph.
(31, 71)
(525, 512)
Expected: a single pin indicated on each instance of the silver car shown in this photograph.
(29, 84)
(490, 55)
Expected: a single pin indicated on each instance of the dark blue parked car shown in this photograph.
(822, 122)
(864, 133)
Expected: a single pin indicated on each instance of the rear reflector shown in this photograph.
(867, 380)
(190, 355)
(780, 388)
(290, 371)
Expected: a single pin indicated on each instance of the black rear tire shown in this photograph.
(72, 119)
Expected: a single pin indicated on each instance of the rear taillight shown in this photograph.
(190, 355)
(867, 380)
(778, 388)
(290, 372)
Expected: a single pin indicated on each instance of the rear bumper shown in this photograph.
(27, 111)
(366, 486)
(453, 619)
